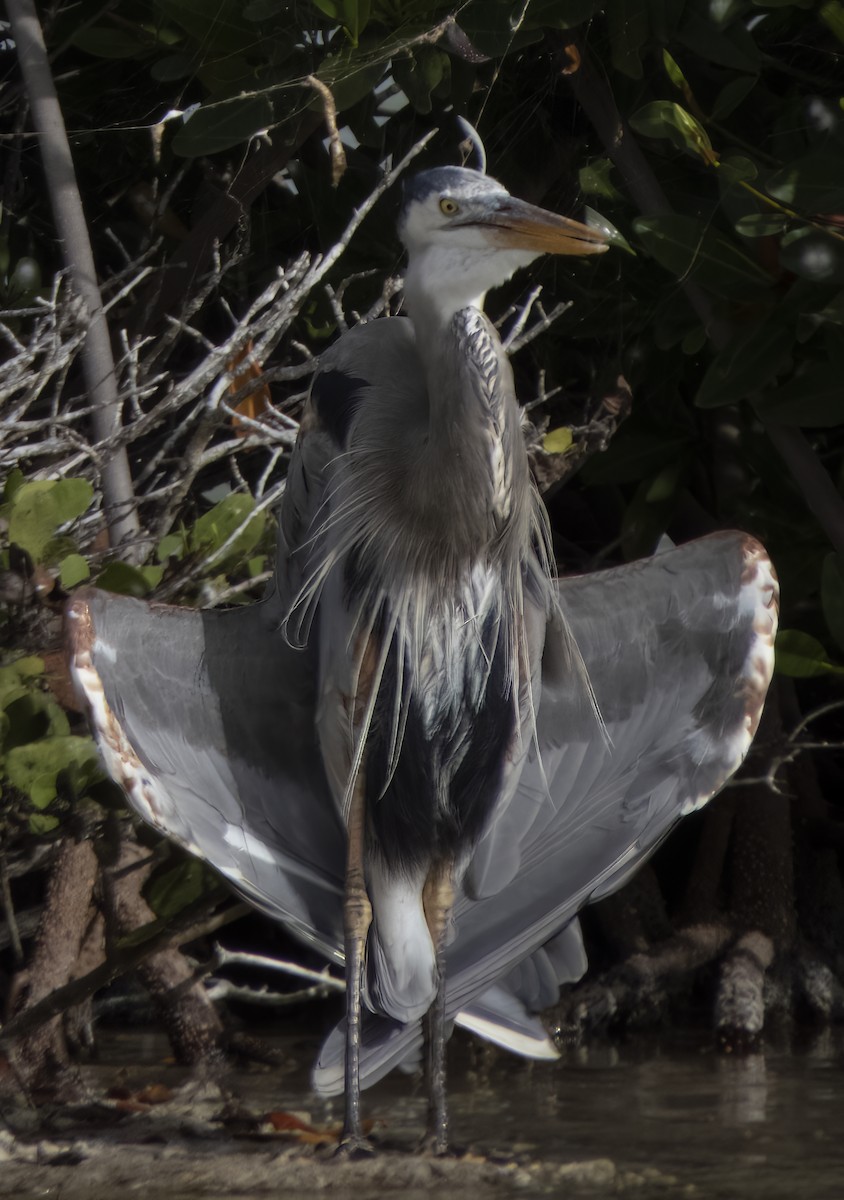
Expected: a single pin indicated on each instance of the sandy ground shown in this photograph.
(180, 1150)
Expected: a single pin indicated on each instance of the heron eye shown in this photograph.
(449, 206)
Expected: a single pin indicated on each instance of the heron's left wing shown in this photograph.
(679, 650)
(207, 721)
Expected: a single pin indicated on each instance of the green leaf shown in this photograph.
(221, 125)
(355, 17)
(801, 656)
(227, 77)
(12, 686)
(834, 311)
(731, 96)
(331, 8)
(105, 41)
(72, 570)
(419, 73)
(127, 580)
(832, 596)
(172, 67)
(747, 364)
(347, 79)
(13, 482)
(664, 485)
(214, 529)
(33, 715)
(557, 441)
(40, 823)
(595, 179)
(551, 14)
(168, 892)
(261, 10)
(672, 70)
(812, 399)
(172, 545)
(634, 455)
(665, 119)
(219, 29)
(686, 246)
(694, 341)
(34, 768)
(813, 183)
(15, 673)
(735, 168)
(832, 15)
(37, 509)
(488, 24)
(755, 225)
(600, 224)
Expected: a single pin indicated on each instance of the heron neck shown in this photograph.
(472, 461)
(432, 317)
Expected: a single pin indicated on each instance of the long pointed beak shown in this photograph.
(522, 226)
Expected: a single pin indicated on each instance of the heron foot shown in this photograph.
(434, 1143)
(354, 1147)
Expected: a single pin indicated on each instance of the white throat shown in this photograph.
(443, 279)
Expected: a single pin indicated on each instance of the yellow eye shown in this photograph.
(449, 206)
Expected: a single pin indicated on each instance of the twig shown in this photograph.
(791, 749)
(217, 990)
(323, 265)
(237, 958)
(329, 112)
(9, 912)
(517, 341)
(521, 319)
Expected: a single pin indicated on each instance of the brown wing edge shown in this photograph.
(760, 591)
(119, 757)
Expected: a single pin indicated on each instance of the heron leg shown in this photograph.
(438, 897)
(357, 915)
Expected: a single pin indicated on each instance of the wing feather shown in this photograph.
(207, 720)
(221, 731)
(679, 650)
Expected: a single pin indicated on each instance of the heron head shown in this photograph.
(465, 233)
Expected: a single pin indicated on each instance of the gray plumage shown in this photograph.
(524, 743)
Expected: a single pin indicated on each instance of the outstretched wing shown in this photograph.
(679, 650)
(210, 720)
(207, 721)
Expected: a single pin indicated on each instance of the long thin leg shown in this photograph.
(357, 915)
(438, 898)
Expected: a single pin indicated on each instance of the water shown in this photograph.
(765, 1126)
(677, 1119)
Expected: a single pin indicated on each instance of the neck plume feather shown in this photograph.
(422, 564)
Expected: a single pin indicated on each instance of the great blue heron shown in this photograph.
(422, 753)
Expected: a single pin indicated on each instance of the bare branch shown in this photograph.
(97, 360)
(329, 111)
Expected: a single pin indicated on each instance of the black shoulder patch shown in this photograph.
(336, 397)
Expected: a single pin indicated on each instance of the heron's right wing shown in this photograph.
(206, 719)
